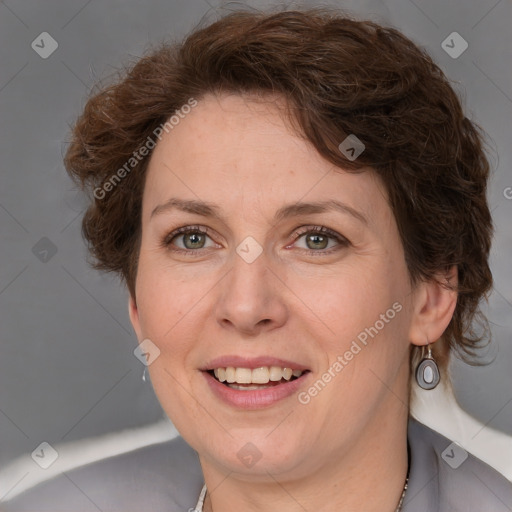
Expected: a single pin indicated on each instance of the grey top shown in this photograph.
(167, 477)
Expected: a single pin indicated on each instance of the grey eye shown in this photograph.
(316, 241)
(194, 240)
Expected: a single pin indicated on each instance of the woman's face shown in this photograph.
(253, 280)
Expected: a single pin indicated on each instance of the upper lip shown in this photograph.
(251, 362)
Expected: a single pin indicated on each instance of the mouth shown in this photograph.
(250, 379)
(251, 383)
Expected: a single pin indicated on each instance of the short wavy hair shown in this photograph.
(339, 76)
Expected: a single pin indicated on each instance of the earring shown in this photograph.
(144, 378)
(427, 372)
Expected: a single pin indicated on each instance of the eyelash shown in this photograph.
(343, 242)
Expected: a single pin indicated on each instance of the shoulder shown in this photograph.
(446, 478)
(167, 476)
(160, 477)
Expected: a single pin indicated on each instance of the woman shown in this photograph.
(297, 204)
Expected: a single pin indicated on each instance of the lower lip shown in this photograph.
(256, 398)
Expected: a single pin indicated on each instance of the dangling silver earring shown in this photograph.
(144, 378)
(427, 372)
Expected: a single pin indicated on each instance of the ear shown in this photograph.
(134, 316)
(434, 304)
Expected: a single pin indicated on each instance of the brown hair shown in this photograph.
(339, 76)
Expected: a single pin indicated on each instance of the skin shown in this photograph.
(302, 300)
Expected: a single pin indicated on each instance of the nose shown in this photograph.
(252, 298)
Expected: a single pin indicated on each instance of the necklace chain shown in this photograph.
(400, 503)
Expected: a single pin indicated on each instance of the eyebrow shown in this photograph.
(207, 209)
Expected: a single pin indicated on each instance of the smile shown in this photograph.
(262, 375)
(254, 388)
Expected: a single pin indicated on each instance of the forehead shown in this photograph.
(231, 149)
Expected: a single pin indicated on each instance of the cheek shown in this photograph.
(364, 315)
(349, 298)
(168, 305)
(167, 296)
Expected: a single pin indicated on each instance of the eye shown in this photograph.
(317, 239)
(321, 239)
(187, 239)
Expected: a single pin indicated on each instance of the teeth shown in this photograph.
(243, 376)
(247, 388)
(275, 373)
(230, 374)
(260, 375)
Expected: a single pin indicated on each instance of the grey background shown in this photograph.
(67, 368)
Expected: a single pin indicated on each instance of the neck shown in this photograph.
(369, 476)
